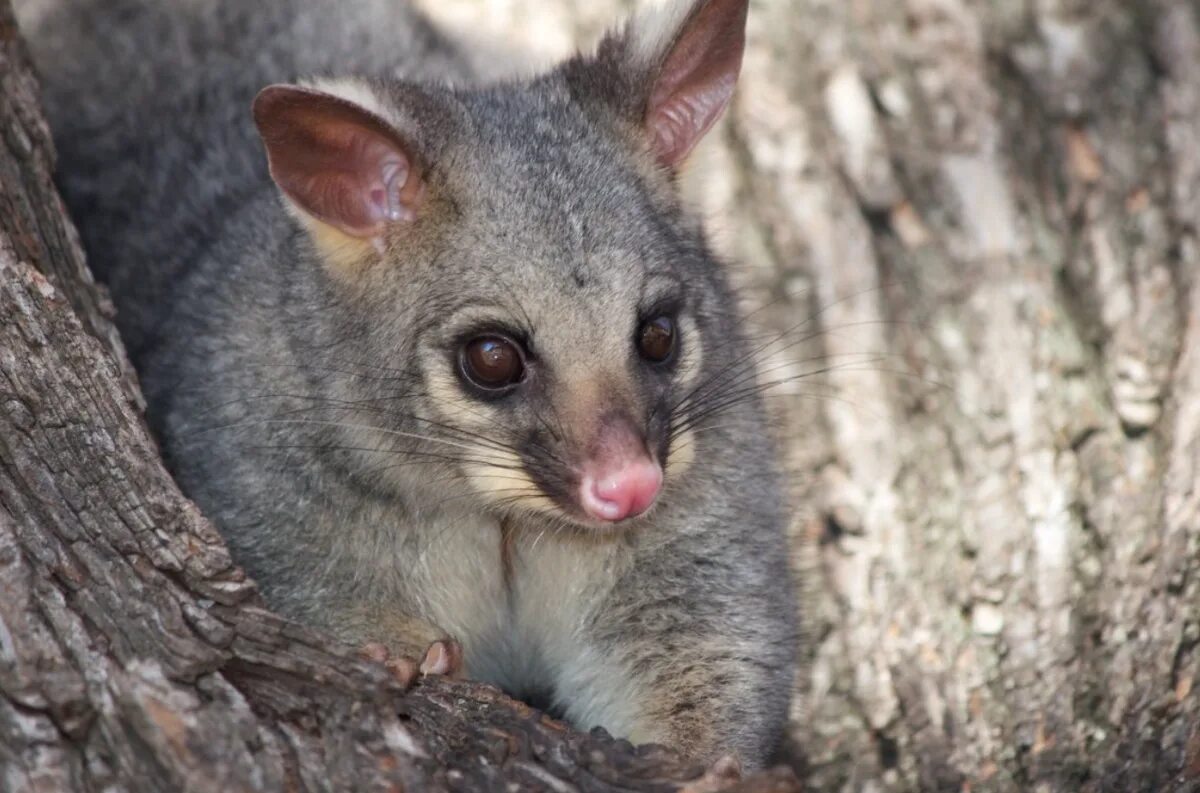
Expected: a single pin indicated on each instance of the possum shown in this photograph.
(445, 356)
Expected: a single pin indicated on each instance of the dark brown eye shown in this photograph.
(656, 339)
(492, 362)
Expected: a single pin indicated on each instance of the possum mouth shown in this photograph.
(615, 478)
(601, 495)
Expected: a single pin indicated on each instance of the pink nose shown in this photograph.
(624, 493)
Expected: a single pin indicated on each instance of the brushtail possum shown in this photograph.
(445, 357)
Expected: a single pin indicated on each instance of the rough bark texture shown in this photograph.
(968, 229)
(133, 654)
(976, 220)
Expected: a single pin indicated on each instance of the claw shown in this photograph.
(444, 657)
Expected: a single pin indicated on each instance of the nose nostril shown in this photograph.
(621, 494)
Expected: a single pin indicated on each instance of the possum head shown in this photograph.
(532, 312)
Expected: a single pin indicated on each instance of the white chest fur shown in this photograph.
(526, 630)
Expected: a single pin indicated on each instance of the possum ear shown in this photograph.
(682, 60)
(339, 162)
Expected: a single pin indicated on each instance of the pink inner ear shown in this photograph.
(340, 163)
(697, 79)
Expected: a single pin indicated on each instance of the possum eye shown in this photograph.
(492, 363)
(656, 339)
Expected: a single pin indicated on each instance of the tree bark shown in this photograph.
(134, 655)
(990, 211)
(967, 231)
(972, 227)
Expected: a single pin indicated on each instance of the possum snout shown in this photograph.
(621, 479)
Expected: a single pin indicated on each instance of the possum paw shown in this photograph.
(405, 670)
(443, 657)
(725, 772)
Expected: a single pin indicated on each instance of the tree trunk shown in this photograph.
(971, 226)
(967, 229)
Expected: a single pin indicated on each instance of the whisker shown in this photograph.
(424, 455)
(729, 399)
(367, 406)
(343, 425)
(747, 383)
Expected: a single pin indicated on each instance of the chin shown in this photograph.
(573, 520)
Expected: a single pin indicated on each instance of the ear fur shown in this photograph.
(346, 171)
(681, 61)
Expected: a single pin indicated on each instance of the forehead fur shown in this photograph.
(545, 201)
(540, 170)
(551, 225)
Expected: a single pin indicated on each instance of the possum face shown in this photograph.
(519, 254)
(574, 309)
(568, 381)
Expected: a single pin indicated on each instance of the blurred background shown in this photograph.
(965, 230)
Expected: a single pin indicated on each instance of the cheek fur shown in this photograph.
(691, 357)
(504, 483)
(447, 400)
(680, 455)
(494, 473)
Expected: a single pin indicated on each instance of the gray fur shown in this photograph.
(289, 398)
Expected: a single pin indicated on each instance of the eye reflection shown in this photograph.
(492, 363)
(656, 339)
